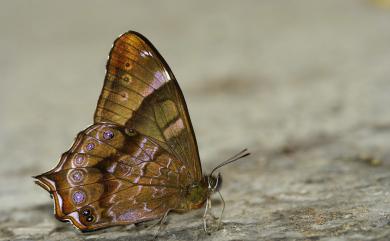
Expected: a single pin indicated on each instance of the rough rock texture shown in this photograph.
(303, 84)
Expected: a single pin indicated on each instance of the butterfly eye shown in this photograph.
(108, 135)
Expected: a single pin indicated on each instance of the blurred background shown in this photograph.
(303, 84)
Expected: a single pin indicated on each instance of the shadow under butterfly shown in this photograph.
(139, 160)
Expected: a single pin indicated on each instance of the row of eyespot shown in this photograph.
(108, 135)
(77, 176)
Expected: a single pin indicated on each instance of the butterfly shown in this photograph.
(139, 160)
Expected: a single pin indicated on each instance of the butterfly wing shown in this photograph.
(141, 92)
(113, 175)
(133, 164)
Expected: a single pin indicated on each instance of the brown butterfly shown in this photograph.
(139, 160)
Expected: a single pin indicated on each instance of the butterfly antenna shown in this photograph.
(234, 158)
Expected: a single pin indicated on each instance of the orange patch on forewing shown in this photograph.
(174, 129)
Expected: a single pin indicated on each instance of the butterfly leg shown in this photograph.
(208, 213)
(223, 209)
(145, 225)
(162, 223)
(206, 210)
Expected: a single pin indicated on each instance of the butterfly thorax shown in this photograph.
(196, 194)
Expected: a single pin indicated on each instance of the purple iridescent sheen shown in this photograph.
(90, 146)
(79, 161)
(77, 176)
(78, 197)
(108, 135)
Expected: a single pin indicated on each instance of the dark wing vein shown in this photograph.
(126, 107)
(111, 111)
(120, 152)
(105, 196)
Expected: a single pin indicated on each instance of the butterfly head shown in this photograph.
(214, 183)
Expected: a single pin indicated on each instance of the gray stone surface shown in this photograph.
(303, 84)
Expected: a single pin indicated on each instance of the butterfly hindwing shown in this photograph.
(141, 92)
(118, 175)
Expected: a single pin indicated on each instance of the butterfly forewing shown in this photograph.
(141, 92)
